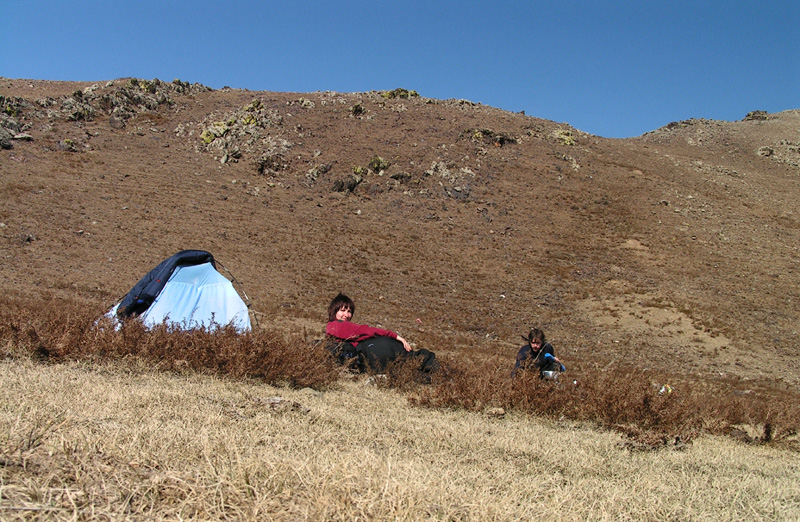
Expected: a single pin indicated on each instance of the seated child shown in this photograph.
(537, 353)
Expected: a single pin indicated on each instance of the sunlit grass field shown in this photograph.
(98, 424)
(97, 442)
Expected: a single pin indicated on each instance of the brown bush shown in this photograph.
(56, 331)
(626, 399)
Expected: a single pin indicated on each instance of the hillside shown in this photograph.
(458, 224)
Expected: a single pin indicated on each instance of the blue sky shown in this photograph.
(613, 68)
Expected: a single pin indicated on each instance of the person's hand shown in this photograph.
(405, 343)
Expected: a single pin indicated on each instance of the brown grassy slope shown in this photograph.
(121, 443)
(677, 248)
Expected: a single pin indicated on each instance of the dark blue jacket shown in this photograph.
(526, 358)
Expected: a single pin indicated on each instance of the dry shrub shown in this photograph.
(625, 399)
(404, 374)
(63, 330)
(465, 385)
(622, 398)
(43, 329)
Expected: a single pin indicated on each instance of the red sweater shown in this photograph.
(355, 333)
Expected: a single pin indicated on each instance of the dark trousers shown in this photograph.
(380, 351)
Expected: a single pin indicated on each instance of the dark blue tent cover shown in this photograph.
(147, 289)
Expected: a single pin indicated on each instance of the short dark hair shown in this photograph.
(339, 302)
(535, 334)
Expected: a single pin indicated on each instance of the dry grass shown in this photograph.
(165, 425)
(95, 441)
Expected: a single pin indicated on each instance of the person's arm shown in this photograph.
(405, 343)
(355, 332)
(549, 350)
(550, 355)
(522, 355)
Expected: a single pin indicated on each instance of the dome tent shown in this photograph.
(184, 290)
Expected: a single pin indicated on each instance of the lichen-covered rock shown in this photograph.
(756, 116)
(497, 139)
(378, 164)
(357, 110)
(316, 171)
(347, 184)
(565, 136)
(120, 99)
(243, 131)
(400, 93)
(67, 145)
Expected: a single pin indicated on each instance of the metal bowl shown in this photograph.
(550, 375)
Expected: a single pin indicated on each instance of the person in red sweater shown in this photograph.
(378, 345)
(340, 311)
